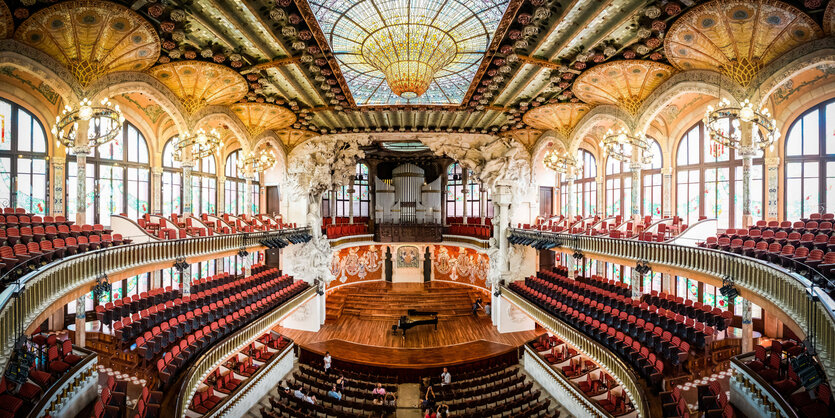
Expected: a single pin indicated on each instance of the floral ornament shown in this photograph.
(156, 10)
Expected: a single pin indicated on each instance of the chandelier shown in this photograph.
(201, 143)
(621, 145)
(104, 123)
(560, 162)
(261, 161)
(409, 54)
(764, 134)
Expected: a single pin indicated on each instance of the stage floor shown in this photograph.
(368, 339)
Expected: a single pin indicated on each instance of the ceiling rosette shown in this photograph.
(259, 117)
(199, 84)
(561, 117)
(625, 84)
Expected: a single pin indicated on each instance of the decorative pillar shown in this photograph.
(185, 281)
(569, 262)
(482, 204)
(464, 192)
(248, 265)
(187, 166)
(248, 195)
(221, 194)
(637, 279)
(747, 154)
(351, 192)
(333, 207)
(156, 190)
(569, 178)
(81, 153)
(156, 280)
(81, 320)
(600, 207)
(667, 191)
(668, 284)
(635, 166)
(747, 327)
(772, 172)
(503, 199)
(59, 166)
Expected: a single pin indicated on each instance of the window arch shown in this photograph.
(172, 181)
(117, 178)
(235, 186)
(709, 180)
(618, 188)
(810, 163)
(652, 183)
(24, 167)
(204, 186)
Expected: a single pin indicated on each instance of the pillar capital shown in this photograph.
(667, 171)
(772, 161)
(156, 170)
(58, 160)
(81, 150)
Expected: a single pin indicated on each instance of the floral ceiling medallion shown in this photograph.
(6, 21)
(199, 83)
(259, 117)
(561, 117)
(92, 38)
(737, 38)
(625, 84)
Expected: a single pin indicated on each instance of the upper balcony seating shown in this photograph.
(476, 230)
(599, 227)
(342, 230)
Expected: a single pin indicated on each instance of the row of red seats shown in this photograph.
(474, 220)
(712, 316)
(130, 305)
(327, 220)
(775, 367)
(188, 309)
(275, 294)
(36, 254)
(478, 231)
(632, 351)
(738, 242)
(7, 221)
(26, 234)
(113, 399)
(342, 230)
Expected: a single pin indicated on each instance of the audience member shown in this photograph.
(340, 383)
(476, 306)
(428, 399)
(446, 378)
(443, 410)
(379, 390)
(334, 393)
(311, 399)
(378, 400)
(298, 393)
(327, 361)
(430, 414)
(390, 399)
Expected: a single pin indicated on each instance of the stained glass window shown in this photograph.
(585, 186)
(618, 188)
(709, 181)
(347, 25)
(172, 186)
(235, 184)
(810, 162)
(24, 168)
(118, 178)
(454, 191)
(652, 197)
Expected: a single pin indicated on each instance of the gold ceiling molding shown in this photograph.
(200, 83)
(259, 117)
(92, 38)
(561, 117)
(625, 84)
(829, 19)
(737, 38)
(6, 21)
(293, 137)
(525, 136)
(281, 62)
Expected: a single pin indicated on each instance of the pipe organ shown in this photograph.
(407, 198)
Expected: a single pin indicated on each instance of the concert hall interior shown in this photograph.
(417, 208)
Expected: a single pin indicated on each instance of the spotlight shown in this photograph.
(577, 255)
(728, 290)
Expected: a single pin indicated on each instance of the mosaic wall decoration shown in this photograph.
(460, 265)
(356, 264)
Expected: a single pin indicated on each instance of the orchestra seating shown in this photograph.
(342, 230)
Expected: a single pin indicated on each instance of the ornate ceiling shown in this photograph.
(547, 60)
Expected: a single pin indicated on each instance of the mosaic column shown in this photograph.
(569, 262)
(221, 195)
(668, 283)
(635, 167)
(156, 190)
(772, 172)
(667, 191)
(185, 281)
(482, 204)
(351, 192)
(747, 154)
(569, 178)
(81, 320)
(187, 166)
(637, 279)
(59, 166)
(248, 265)
(248, 195)
(601, 197)
(156, 280)
(333, 207)
(464, 193)
(81, 153)
(747, 327)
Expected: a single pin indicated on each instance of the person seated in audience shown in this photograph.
(334, 393)
(428, 398)
(379, 390)
(340, 383)
(446, 378)
(430, 414)
(327, 361)
(299, 393)
(378, 400)
(443, 410)
(284, 387)
(311, 399)
(390, 399)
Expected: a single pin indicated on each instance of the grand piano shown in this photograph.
(414, 318)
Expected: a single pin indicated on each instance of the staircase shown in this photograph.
(334, 304)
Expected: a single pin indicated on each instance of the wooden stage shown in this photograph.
(360, 331)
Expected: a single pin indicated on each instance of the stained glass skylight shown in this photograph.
(349, 24)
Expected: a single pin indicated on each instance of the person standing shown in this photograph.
(327, 361)
(446, 378)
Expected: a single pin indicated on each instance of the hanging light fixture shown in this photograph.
(202, 144)
(104, 123)
(561, 162)
(620, 146)
(764, 134)
(260, 161)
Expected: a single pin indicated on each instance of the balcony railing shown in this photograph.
(753, 395)
(218, 353)
(811, 309)
(609, 361)
(27, 298)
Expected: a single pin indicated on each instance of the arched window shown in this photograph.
(618, 188)
(172, 181)
(810, 163)
(708, 176)
(651, 193)
(204, 186)
(585, 186)
(235, 183)
(24, 169)
(361, 201)
(117, 178)
(455, 191)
